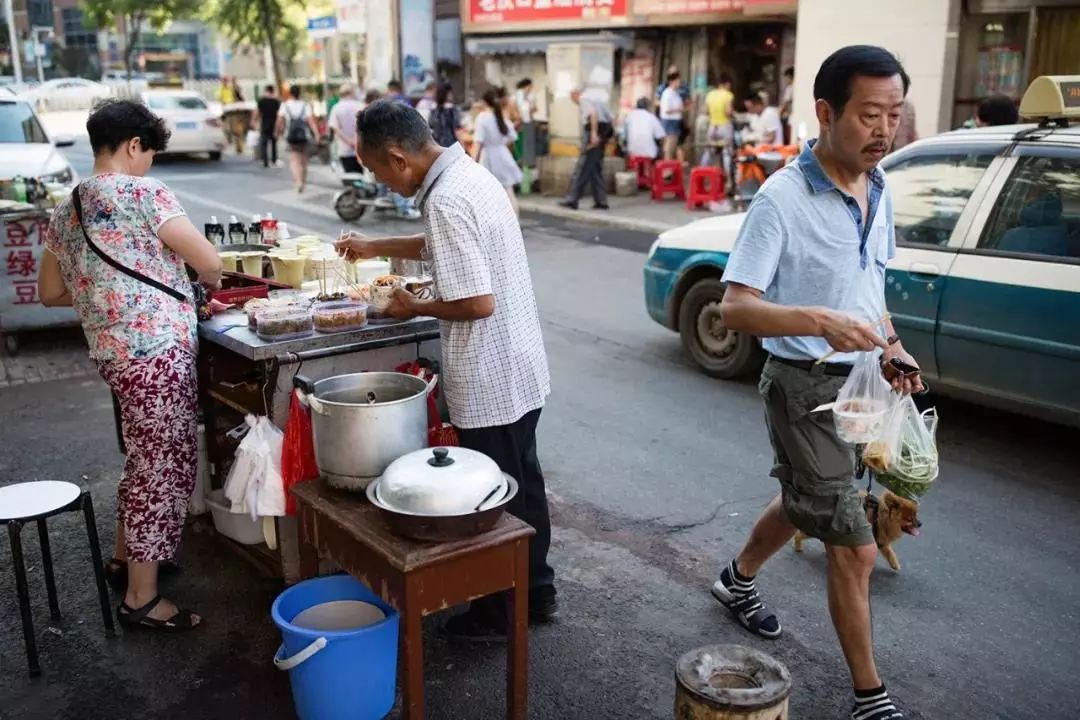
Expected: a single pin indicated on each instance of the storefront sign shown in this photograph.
(543, 12)
(685, 7)
(322, 27)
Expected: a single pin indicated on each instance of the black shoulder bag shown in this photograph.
(76, 202)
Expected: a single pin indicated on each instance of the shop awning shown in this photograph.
(538, 44)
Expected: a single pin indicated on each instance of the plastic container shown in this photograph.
(859, 421)
(289, 269)
(339, 316)
(252, 262)
(339, 646)
(228, 260)
(368, 270)
(284, 323)
(238, 526)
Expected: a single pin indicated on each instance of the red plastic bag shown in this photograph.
(297, 451)
(440, 434)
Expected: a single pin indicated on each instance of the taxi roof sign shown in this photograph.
(1052, 97)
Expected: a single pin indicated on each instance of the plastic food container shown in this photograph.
(340, 316)
(238, 526)
(284, 323)
(859, 421)
(228, 260)
(289, 269)
(252, 262)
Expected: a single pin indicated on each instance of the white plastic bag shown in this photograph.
(254, 484)
(863, 401)
(252, 140)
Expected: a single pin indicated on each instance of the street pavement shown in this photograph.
(656, 474)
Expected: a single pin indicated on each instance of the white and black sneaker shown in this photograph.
(874, 705)
(737, 593)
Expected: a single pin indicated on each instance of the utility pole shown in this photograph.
(13, 40)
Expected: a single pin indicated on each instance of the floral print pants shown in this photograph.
(157, 397)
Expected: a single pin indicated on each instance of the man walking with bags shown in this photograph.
(807, 275)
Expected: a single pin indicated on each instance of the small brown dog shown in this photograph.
(890, 517)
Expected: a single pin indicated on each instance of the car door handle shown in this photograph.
(924, 271)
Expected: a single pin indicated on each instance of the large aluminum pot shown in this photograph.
(364, 421)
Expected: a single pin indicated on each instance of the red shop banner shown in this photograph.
(490, 12)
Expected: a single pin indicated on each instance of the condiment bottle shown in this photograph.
(270, 230)
(214, 231)
(255, 230)
(237, 232)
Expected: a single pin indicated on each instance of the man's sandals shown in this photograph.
(749, 611)
(139, 618)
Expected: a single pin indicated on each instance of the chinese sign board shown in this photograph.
(22, 241)
(537, 14)
(684, 7)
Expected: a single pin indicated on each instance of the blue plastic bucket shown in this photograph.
(340, 654)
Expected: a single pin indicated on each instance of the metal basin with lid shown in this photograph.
(442, 494)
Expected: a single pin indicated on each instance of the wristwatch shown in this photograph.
(892, 339)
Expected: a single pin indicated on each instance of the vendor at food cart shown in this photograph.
(494, 365)
(104, 253)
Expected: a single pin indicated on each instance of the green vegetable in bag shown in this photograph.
(912, 456)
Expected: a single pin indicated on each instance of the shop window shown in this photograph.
(1038, 211)
(929, 192)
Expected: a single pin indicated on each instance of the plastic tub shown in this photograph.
(252, 262)
(859, 421)
(368, 270)
(339, 316)
(284, 323)
(238, 526)
(289, 269)
(228, 260)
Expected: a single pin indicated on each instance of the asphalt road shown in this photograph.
(656, 474)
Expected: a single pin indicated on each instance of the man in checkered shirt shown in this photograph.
(494, 369)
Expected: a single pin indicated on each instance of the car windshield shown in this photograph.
(175, 102)
(18, 124)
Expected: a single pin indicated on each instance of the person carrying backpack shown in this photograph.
(296, 123)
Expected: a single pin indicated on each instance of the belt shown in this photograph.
(812, 367)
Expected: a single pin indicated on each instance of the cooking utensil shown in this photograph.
(356, 438)
(441, 481)
(442, 528)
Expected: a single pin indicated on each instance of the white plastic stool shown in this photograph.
(27, 502)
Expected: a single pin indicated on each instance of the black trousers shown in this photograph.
(513, 447)
(589, 171)
(268, 146)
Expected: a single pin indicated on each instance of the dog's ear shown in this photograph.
(891, 499)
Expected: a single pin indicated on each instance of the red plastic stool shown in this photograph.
(673, 183)
(643, 165)
(706, 186)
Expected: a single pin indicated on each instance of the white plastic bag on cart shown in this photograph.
(863, 401)
(254, 484)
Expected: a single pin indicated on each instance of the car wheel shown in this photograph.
(718, 351)
(215, 156)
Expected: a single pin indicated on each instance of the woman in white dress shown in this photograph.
(492, 137)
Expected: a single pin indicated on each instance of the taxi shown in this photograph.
(985, 285)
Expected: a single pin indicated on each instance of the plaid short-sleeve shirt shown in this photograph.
(494, 370)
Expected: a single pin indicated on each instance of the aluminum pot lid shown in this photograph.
(448, 481)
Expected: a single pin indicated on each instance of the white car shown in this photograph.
(194, 127)
(71, 93)
(26, 149)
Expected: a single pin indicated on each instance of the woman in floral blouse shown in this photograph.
(142, 337)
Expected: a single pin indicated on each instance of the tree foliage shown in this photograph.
(104, 14)
(260, 23)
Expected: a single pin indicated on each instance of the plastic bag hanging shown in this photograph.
(912, 460)
(297, 451)
(863, 401)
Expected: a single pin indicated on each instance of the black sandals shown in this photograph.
(138, 618)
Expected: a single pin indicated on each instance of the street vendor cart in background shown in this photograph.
(22, 235)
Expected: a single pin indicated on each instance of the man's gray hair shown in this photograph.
(385, 123)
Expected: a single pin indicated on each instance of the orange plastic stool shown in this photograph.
(673, 183)
(706, 186)
(643, 165)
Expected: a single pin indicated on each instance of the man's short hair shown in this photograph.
(393, 86)
(673, 76)
(271, 89)
(789, 72)
(524, 83)
(643, 103)
(998, 110)
(753, 97)
(834, 77)
(725, 79)
(386, 123)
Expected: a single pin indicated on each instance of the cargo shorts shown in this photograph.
(816, 469)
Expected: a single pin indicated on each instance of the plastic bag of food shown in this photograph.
(863, 401)
(254, 485)
(297, 451)
(912, 464)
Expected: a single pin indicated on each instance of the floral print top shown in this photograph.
(123, 318)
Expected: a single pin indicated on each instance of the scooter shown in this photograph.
(361, 192)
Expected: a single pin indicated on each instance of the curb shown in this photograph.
(610, 218)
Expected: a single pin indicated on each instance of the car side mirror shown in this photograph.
(62, 141)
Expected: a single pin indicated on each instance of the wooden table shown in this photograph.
(419, 578)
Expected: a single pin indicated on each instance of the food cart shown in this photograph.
(241, 374)
(22, 232)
